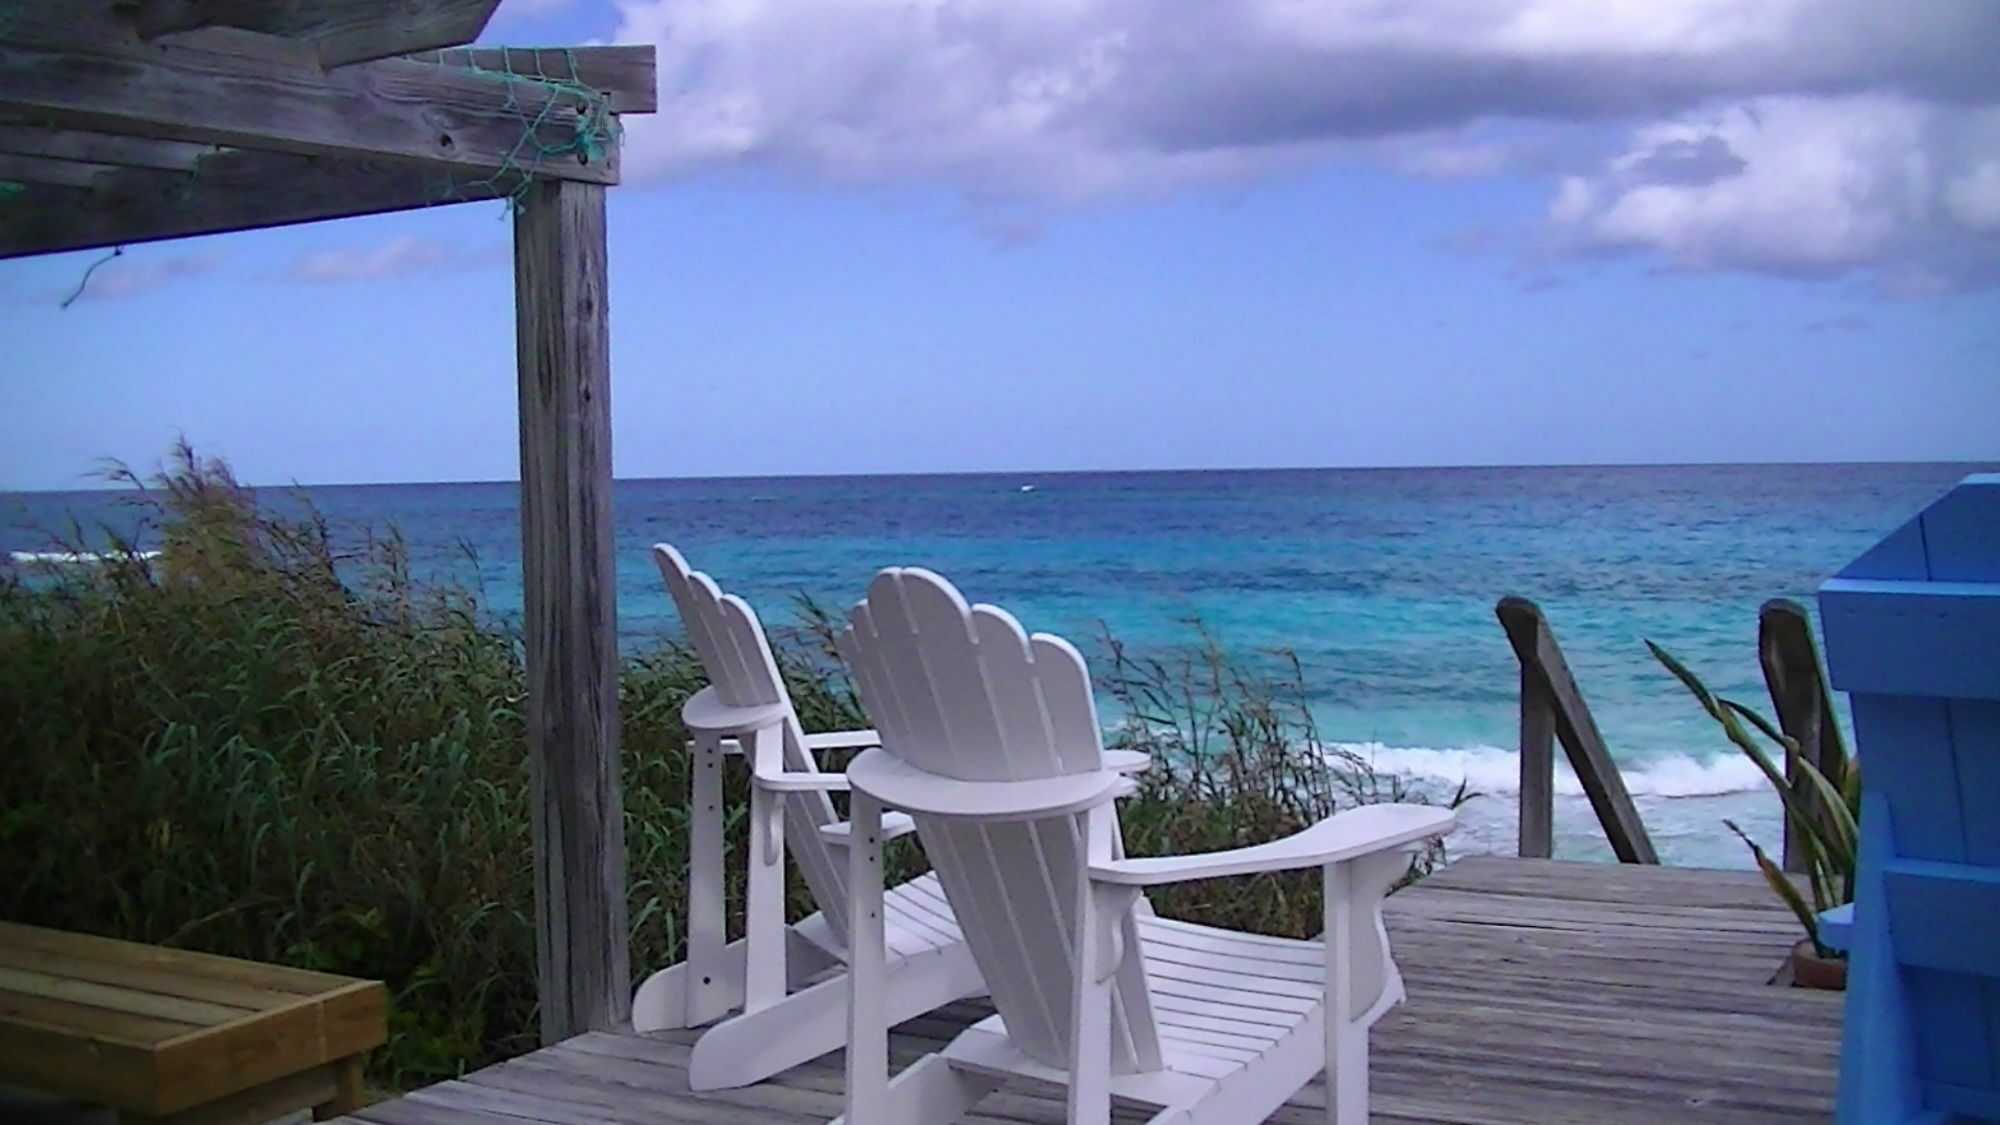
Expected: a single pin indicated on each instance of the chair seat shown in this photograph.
(1222, 999)
(916, 920)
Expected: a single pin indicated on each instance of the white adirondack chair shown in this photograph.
(990, 740)
(773, 984)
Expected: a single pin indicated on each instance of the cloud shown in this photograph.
(1063, 102)
(128, 274)
(1805, 187)
(399, 257)
(530, 9)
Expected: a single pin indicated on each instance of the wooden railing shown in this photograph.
(1803, 701)
(1552, 709)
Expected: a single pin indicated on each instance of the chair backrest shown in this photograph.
(963, 692)
(737, 656)
(1912, 633)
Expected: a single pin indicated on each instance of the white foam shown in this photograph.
(1494, 769)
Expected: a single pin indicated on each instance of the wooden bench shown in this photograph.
(167, 1036)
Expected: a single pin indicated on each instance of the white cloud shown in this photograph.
(530, 9)
(399, 257)
(1070, 101)
(1805, 187)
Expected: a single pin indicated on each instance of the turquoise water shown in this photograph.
(1382, 582)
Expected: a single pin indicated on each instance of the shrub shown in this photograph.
(262, 746)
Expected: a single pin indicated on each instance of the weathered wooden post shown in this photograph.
(571, 616)
(1913, 634)
(1799, 694)
(1552, 707)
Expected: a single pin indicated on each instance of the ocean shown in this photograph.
(1382, 581)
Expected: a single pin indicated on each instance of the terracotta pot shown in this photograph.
(1810, 970)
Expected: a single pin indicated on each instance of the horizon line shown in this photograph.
(863, 475)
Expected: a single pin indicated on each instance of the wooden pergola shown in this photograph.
(127, 121)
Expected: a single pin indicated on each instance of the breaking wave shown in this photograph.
(1495, 770)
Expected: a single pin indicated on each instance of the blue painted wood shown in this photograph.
(1836, 928)
(1962, 532)
(1937, 639)
(1878, 1065)
(1975, 732)
(1936, 907)
(1981, 1104)
(1948, 1016)
(1900, 555)
(1913, 634)
(1922, 787)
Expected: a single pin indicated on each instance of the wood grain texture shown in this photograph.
(1541, 659)
(563, 349)
(235, 190)
(342, 31)
(245, 89)
(1552, 1009)
(48, 170)
(627, 75)
(173, 1035)
(23, 139)
(1803, 702)
(1538, 768)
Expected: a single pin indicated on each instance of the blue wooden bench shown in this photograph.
(1913, 635)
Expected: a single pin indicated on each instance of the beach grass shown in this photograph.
(266, 746)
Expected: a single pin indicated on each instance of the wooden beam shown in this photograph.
(1542, 660)
(1538, 769)
(234, 190)
(627, 75)
(1804, 704)
(247, 90)
(571, 626)
(341, 31)
(22, 139)
(43, 170)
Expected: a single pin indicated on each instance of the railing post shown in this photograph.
(1538, 768)
(1804, 705)
(1546, 677)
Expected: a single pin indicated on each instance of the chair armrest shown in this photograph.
(706, 712)
(843, 740)
(894, 824)
(899, 785)
(799, 781)
(1343, 836)
(1127, 762)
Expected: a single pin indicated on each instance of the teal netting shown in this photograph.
(562, 119)
(9, 189)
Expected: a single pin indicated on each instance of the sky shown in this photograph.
(996, 235)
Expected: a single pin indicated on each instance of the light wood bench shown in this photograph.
(168, 1037)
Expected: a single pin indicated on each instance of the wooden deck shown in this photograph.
(1541, 993)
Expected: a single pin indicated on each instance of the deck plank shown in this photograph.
(1542, 992)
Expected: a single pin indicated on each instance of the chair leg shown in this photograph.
(929, 1091)
(765, 975)
(677, 996)
(1346, 1073)
(711, 988)
(813, 1021)
(1346, 1038)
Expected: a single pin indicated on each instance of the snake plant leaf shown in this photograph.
(1785, 888)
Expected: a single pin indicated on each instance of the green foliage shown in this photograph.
(1237, 760)
(1822, 806)
(258, 746)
